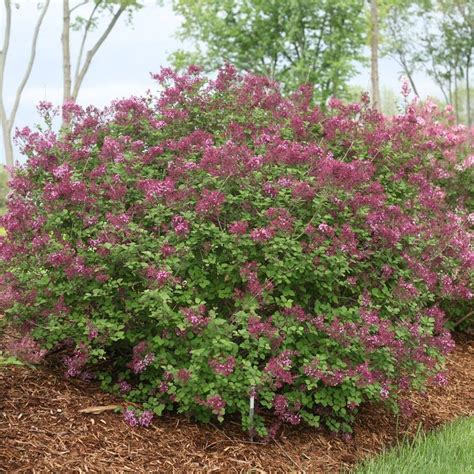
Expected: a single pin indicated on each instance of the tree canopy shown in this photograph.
(293, 41)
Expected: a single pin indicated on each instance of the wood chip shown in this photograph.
(71, 442)
(100, 409)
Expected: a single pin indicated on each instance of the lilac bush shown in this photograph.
(221, 241)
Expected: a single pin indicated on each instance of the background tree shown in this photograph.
(400, 37)
(8, 118)
(389, 101)
(374, 54)
(293, 41)
(114, 9)
(83, 17)
(438, 59)
(457, 28)
(466, 105)
(438, 37)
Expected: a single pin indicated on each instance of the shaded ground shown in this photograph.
(41, 430)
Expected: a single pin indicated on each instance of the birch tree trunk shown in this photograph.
(8, 119)
(468, 94)
(82, 71)
(374, 56)
(456, 95)
(66, 51)
(72, 83)
(7, 144)
(3, 114)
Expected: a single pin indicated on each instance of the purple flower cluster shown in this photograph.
(210, 203)
(124, 387)
(261, 235)
(196, 316)
(238, 227)
(158, 275)
(76, 362)
(142, 357)
(217, 404)
(27, 349)
(223, 368)
(280, 368)
(180, 225)
(144, 419)
(283, 411)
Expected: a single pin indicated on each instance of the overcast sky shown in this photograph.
(122, 66)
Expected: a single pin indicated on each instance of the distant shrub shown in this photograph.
(220, 242)
(3, 190)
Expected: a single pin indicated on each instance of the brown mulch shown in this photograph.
(41, 430)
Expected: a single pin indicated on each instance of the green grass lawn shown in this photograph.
(447, 451)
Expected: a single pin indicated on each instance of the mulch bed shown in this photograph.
(41, 430)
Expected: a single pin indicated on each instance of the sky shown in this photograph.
(123, 64)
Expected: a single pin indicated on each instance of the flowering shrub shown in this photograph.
(221, 242)
(458, 184)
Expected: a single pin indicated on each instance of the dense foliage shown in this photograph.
(220, 242)
(294, 42)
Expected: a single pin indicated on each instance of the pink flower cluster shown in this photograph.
(180, 225)
(142, 357)
(223, 368)
(76, 362)
(216, 403)
(144, 419)
(283, 411)
(196, 316)
(210, 203)
(158, 275)
(27, 349)
(279, 368)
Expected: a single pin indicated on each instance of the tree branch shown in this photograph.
(467, 316)
(29, 67)
(83, 42)
(77, 6)
(91, 53)
(6, 43)
(434, 71)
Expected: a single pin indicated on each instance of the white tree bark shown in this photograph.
(9, 119)
(82, 71)
(468, 93)
(374, 56)
(72, 84)
(84, 39)
(65, 40)
(3, 56)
